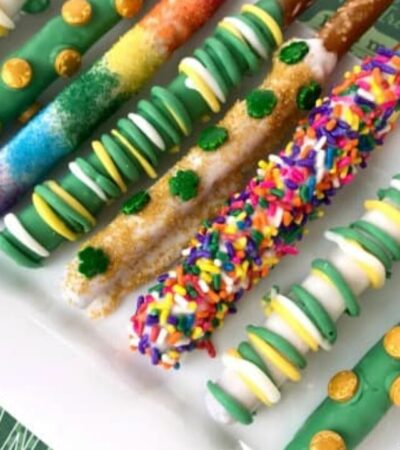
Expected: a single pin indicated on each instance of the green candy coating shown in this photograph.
(36, 6)
(108, 186)
(224, 60)
(211, 66)
(391, 194)
(136, 203)
(184, 184)
(308, 96)
(213, 138)
(234, 408)
(294, 52)
(261, 103)
(92, 262)
(247, 352)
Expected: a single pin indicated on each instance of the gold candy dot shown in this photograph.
(27, 115)
(16, 73)
(392, 342)
(76, 12)
(395, 392)
(327, 440)
(128, 8)
(343, 386)
(67, 62)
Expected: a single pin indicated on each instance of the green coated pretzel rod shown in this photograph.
(55, 50)
(357, 400)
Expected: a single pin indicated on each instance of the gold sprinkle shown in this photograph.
(16, 73)
(343, 386)
(67, 62)
(392, 342)
(327, 440)
(76, 12)
(128, 8)
(395, 392)
(27, 115)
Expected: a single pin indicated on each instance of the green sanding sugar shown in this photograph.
(92, 262)
(294, 52)
(308, 95)
(184, 184)
(261, 103)
(136, 203)
(212, 138)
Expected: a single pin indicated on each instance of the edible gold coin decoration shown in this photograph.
(128, 8)
(67, 62)
(27, 115)
(395, 392)
(392, 342)
(77, 12)
(16, 73)
(343, 386)
(327, 440)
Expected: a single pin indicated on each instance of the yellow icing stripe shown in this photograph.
(51, 219)
(269, 21)
(231, 29)
(178, 120)
(322, 276)
(279, 361)
(203, 88)
(108, 164)
(299, 329)
(3, 31)
(148, 168)
(388, 210)
(71, 201)
(367, 269)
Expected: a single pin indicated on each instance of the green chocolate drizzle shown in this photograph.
(92, 262)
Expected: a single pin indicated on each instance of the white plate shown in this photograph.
(76, 384)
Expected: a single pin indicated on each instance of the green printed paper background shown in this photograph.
(13, 436)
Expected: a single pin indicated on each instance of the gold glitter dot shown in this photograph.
(327, 440)
(392, 342)
(395, 392)
(343, 386)
(128, 8)
(27, 115)
(16, 73)
(77, 12)
(67, 62)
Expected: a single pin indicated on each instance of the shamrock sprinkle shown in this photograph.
(184, 184)
(136, 203)
(261, 103)
(212, 138)
(92, 262)
(294, 52)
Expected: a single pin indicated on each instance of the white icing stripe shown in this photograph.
(15, 227)
(206, 76)
(303, 319)
(147, 128)
(248, 34)
(358, 254)
(394, 183)
(251, 372)
(87, 181)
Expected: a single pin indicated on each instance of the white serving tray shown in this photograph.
(77, 386)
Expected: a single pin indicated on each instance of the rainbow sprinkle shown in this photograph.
(261, 224)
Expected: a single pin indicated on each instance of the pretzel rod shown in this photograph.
(55, 50)
(260, 225)
(137, 143)
(94, 95)
(357, 400)
(140, 247)
(305, 319)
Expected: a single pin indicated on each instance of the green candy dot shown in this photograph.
(294, 52)
(308, 95)
(261, 103)
(184, 184)
(136, 203)
(92, 262)
(36, 6)
(212, 138)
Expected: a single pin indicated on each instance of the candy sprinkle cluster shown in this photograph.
(261, 224)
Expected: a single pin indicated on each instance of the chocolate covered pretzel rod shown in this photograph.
(95, 94)
(260, 225)
(140, 246)
(137, 143)
(55, 50)
(305, 319)
(357, 400)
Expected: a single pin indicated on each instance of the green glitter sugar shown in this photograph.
(184, 184)
(212, 138)
(92, 262)
(294, 52)
(136, 203)
(261, 103)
